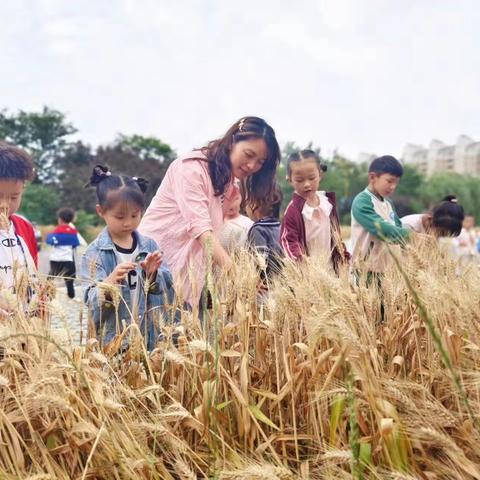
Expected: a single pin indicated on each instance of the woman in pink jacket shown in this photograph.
(187, 212)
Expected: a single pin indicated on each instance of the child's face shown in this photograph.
(247, 157)
(383, 184)
(233, 210)
(469, 222)
(305, 177)
(121, 219)
(11, 192)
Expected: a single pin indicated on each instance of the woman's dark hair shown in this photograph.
(218, 154)
(112, 189)
(270, 206)
(303, 155)
(276, 200)
(15, 163)
(447, 217)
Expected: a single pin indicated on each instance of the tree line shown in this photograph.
(63, 166)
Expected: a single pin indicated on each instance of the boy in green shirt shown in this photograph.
(374, 220)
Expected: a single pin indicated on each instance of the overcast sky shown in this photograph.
(360, 76)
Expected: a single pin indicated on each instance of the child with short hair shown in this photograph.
(121, 257)
(374, 221)
(310, 223)
(18, 246)
(444, 220)
(264, 234)
(65, 240)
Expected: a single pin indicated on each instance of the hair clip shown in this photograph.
(135, 179)
(454, 200)
(240, 125)
(108, 173)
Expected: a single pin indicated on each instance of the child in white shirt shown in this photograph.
(235, 230)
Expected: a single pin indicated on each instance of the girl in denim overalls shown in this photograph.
(127, 279)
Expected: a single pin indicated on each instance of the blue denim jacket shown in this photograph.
(98, 262)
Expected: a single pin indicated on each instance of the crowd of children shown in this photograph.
(123, 261)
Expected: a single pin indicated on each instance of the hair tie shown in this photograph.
(450, 198)
(99, 174)
(141, 182)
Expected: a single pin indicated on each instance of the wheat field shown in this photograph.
(321, 379)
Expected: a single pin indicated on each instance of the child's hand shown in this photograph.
(423, 237)
(120, 272)
(152, 263)
(261, 287)
(5, 309)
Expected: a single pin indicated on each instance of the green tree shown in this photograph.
(407, 197)
(464, 187)
(130, 156)
(474, 187)
(134, 155)
(147, 147)
(74, 167)
(40, 203)
(43, 134)
(83, 221)
(411, 183)
(346, 179)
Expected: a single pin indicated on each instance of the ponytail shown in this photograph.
(142, 183)
(112, 189)
(99, 173)
(447, 217)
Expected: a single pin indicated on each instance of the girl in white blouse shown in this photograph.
(444, 220)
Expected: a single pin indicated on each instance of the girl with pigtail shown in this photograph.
(121, 261)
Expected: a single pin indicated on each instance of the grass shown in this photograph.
(308, 383)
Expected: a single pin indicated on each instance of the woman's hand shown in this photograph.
(261, 287)
(152, 263)
(120, 273)
(220, 257)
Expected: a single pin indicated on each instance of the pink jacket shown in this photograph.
(183, 208)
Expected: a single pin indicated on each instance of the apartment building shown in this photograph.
(463, 157)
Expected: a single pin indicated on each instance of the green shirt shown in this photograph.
(374, 222)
